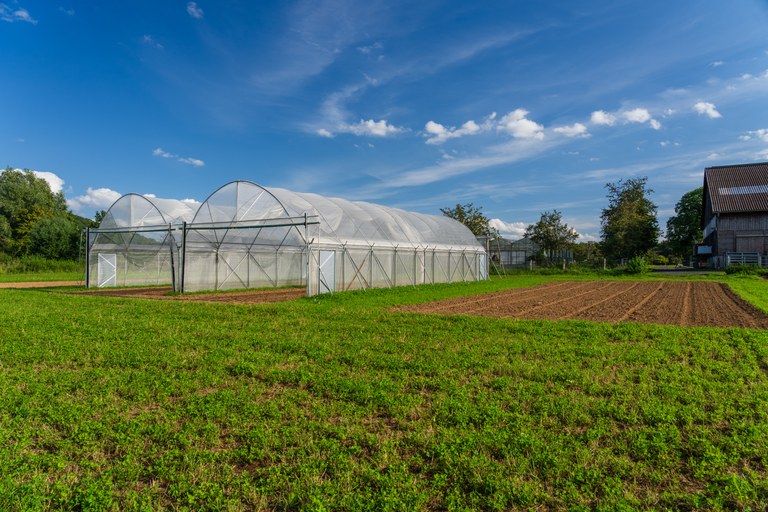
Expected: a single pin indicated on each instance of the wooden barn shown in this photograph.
(735, 216)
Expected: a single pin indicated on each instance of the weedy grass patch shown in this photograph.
(337, 403)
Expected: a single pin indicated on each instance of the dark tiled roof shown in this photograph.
(737, 188)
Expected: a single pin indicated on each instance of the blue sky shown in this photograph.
(516, 106)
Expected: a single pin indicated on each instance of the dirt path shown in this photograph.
(41, 284)
(688, 304)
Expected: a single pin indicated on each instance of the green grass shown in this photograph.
(336, 403)
(42, 276)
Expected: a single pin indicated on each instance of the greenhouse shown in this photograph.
(248, 236)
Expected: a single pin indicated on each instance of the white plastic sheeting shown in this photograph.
(246, 236)
(134, 244)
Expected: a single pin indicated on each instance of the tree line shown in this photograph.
(628, 227)
(35, 221)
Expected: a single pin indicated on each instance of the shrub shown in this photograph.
(745, 269)
(34, 264)
(637, 265)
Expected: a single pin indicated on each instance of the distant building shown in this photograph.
(735, 215)
(517, 253)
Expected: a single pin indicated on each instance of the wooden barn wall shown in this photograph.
(742, 233)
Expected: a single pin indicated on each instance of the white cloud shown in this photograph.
(148, 39)
(195, 162)
(440, 133)
(717, 63)
(68, 12)
(708, 109)
(160, 152)
(96, 198)
(519, 126)
(603, 117)
(512, 230)
(10, 15)
(368, 49)
(194, 11)
(761, 134)
(575, 130)
(370, 128)
(324, 133)
(638, 115)
(56, 183)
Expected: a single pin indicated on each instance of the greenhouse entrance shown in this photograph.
(247, 236)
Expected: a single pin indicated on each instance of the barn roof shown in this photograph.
(737, 188)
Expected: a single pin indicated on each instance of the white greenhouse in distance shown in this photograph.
(248, 236)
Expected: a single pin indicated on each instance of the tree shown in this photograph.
(684, 228)
(6, 235)
(628, 226)
(473, 218)
(551, 234)
(24, 200)
(586, 251)
(54, 238)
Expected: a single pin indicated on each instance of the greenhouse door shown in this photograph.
(327, 271)
(107, 270)
(483, 264)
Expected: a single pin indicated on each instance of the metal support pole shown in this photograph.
(87, 257)
(171, 245)
(183, 255)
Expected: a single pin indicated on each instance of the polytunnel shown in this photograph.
(135, 242)
(248, 236)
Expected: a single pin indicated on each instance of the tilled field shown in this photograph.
(686, 304)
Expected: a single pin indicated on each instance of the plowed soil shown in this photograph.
(239, 297)
(686, 304)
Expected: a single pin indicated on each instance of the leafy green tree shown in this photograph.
(98, 217)
(551, 234)
(54, 238)
(629, 225)
(473, 218)
(24, 200)
(6, 235)
(684, 228)
(586, 251)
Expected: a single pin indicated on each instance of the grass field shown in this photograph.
(336, 403)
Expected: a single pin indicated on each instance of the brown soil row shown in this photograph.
(685, 304)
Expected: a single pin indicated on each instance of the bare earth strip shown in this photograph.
(41, 284)
(688, 304)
